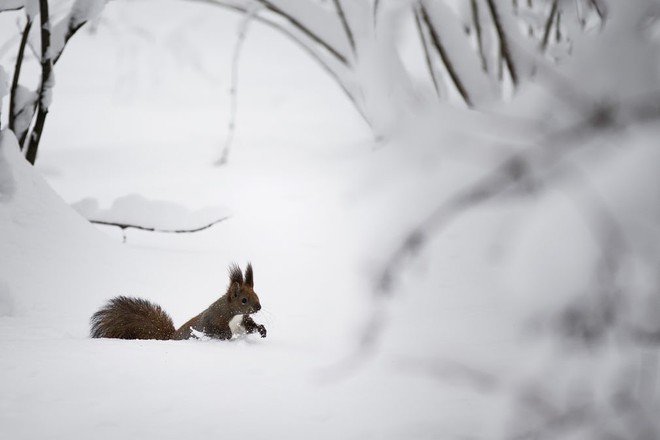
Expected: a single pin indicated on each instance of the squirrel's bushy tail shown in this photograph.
(131, 318)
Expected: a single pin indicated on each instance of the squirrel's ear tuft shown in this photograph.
(249, 276)
(235, 275)
(233, 292)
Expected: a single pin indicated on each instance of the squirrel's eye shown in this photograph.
(244, 300)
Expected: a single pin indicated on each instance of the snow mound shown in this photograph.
(47, 245)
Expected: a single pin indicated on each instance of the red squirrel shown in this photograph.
(134, 318)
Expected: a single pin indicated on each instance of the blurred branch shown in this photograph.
(548, 26)
(476, 22)
(427, 55)
(452, 371)
(375, 11)
(516, 171)
(504, 43)
(344, 23)
(437, 44)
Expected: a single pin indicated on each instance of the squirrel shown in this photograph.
(134, 318)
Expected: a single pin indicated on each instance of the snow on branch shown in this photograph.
(16, 108)
(47, 83)
(137, 212)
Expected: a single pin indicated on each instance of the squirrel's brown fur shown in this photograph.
(133, 318)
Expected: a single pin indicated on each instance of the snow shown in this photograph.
(483, 332)
(25, 100)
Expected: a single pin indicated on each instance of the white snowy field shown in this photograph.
(141, 110)
(464, 346)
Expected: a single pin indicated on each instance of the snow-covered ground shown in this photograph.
(141, 108)
(463, 346)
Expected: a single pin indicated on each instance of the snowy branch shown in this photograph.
(13, 105)
(125, 226)
(47, 82)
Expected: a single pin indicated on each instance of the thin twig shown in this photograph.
(233, 90)
(504, 43)
(344, 22)
(154, 229)
(46, 84)
(427, 55)
(474, 6)
(548, 27)
(72, 29)
(435, 39)
(304, 29)
(375, 12)
(305, 45)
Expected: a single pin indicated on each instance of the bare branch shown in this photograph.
(548, 26)
(427, 55)
(514, 172)
(344, 22)
(474, 7)
(304, 29)
(504, 43)
(233, 91)
(437, 44)
(307, 46)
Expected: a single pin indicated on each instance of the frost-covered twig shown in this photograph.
(437, 44)
(47, 82)
(233, 90)
(17, 73)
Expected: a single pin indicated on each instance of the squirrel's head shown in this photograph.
(240, 293)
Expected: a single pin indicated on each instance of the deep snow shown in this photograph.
(466, 340)
(131, 116)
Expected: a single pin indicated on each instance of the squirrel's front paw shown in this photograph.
(262, 330)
